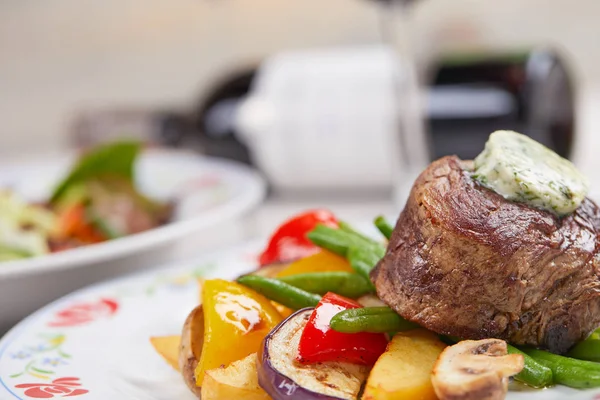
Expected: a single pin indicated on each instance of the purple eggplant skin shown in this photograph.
(328, 381)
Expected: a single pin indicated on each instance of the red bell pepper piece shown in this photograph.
(321, 343)
(289, 242)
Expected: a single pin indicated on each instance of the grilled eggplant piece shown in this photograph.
(284, 378)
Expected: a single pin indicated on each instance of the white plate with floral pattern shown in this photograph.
(94, 343)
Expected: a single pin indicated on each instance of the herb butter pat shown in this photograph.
(523, 170)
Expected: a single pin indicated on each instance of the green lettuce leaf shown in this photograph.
(115, 159)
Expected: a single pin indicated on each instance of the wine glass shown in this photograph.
(411, 144)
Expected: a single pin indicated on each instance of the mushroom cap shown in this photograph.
(475, 369)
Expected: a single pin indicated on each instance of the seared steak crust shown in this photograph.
(463, 261)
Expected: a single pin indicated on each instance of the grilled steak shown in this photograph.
(464, 261)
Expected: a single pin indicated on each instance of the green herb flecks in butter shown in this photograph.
(521, 169)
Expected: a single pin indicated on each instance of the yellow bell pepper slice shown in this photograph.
(322, 261)
(282, 310)
(236, 320)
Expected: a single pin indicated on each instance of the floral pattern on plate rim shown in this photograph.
(66, 387)
(43, 360)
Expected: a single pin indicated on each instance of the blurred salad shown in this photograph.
(95, 202)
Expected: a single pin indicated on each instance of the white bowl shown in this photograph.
(211, 195)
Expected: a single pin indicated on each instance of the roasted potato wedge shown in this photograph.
(168, 348)
(403, 372)
(192, 340)
(237, 381)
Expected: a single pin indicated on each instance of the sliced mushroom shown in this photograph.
(475, 370)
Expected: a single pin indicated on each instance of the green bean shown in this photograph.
(370, 319)
(588, 349)
(534, 373)
(360, 312)
(281, 292)
(384, 227)
(340, 241)
(363, 253)
(555, 358)
(344, 283)
(568, 371)
(363, 260)
(346, 227)
(331, 239)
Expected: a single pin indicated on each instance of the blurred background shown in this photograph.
(177, 72)
(335, 103)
